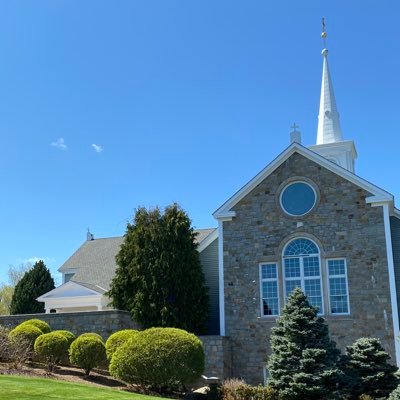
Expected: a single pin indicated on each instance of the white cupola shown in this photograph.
(330, 143)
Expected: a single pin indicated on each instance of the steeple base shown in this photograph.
(342, 153)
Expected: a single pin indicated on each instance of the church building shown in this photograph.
(306, 220)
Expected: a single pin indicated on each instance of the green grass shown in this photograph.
(24, 388)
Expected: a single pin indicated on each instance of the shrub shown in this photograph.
(87, 351)
(367, 369)
(52, 347)
(236, 389)
(43, 326)
(25, 333)
(117, 339)
(395, 395)
(68, 335)
(92, 334)
(160, 357)
(4, 343)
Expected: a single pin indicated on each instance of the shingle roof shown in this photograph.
(94, 261)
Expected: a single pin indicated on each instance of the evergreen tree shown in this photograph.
(34, 283)
(159, 278)
(395, 395)
(303, 363)
(367, 369)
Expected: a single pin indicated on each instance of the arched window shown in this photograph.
(302, 268)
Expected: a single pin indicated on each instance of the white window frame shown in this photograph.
(290, 184)
(302, 278)
(328, 276)
(261, 289)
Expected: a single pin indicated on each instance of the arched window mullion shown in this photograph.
(304, 273)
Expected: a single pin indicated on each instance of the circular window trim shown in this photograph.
(292, 182)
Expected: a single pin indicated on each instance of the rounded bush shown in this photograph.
(160, 357)
(25, 333)
(87, 352)
(52, 347)
(68, 335)
(92, 334)
(117, 339)
(43, 326)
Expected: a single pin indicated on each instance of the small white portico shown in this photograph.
(74, 296)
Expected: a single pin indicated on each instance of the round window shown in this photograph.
(298, 198)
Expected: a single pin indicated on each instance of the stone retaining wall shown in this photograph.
(102, 322)
(216, 348)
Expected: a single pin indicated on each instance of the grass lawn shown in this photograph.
(24, 388)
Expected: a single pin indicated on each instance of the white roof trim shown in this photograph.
(64, 285)
(378, 194)
(207, 240)
(396, 212)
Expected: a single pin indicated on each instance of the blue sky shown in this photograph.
(150, 102)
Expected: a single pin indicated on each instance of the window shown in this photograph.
(338, 289)
(301, 268)
(67, 277)
(298, 198)
(269, 289)
(266, 375)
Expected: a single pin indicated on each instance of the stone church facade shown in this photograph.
(306, 220)
(345, 230)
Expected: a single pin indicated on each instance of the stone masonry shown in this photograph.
(102, 322)
(218, 356)
(342, 224)
(216, 348)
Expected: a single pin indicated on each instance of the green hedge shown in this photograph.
(88, 352)
(43, 326)
(51, 347)
(160, 357)
(117, 339)
(92, 334)
(25, 333)
(67, 334)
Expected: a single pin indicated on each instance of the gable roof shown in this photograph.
(71, 289)
(378, 195)
(94, 262)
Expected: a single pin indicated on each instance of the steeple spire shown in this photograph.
(329, 130)
(330, 143)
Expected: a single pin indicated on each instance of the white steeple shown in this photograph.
(330, 143)
(328, 119)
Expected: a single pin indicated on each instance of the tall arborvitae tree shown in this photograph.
(34, 283)
(159, 278)
(303, 363)
(367, 369)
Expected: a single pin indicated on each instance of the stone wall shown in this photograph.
(102, 322)
(218, 356)
(216, 348)
(342, 224)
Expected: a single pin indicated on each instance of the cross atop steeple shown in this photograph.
(294, 127)
(295, 135)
